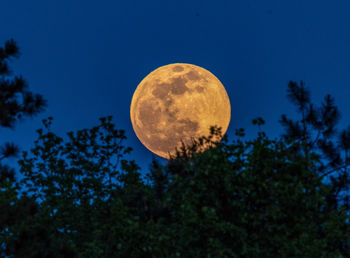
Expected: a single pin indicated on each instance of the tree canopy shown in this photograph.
(83, 198)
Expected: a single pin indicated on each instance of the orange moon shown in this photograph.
(176, 103)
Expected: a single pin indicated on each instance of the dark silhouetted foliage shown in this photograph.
(255, 198)
(315, 135)
(16, 101)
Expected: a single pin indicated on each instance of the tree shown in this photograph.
(314, 135)
(254, 199)
(16, 102)
(240, 199)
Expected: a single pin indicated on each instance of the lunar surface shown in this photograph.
(176, 103)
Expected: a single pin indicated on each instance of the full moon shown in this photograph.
(177, 103)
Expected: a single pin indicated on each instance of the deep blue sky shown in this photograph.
(87, 57)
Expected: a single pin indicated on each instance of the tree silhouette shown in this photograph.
(255, 198)
(314, 135)
(16, 102)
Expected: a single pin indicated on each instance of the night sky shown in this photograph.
(87, 57)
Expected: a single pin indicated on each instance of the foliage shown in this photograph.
(316, 135)
(16, 102)
(256, 199)
(241, 199)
